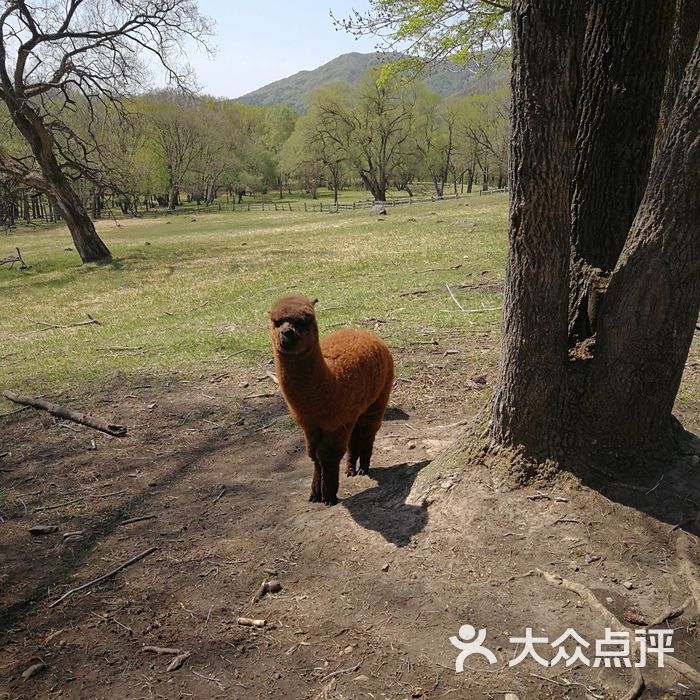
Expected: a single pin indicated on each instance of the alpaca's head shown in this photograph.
(293, 325)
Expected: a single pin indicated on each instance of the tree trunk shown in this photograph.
(533, 363)
(377, 190)
(648, 316)
(172, 198)
(685, 31)
(88, 244)
(624, 57)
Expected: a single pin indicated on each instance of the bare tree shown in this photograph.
(60, 55)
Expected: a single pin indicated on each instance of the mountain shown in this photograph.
(448, 80)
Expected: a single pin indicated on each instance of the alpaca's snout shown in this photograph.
(288, 337)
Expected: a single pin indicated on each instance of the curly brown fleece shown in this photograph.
(336, 389)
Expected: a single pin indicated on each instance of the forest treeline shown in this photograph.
(159, 149)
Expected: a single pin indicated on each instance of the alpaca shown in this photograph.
(336, 390)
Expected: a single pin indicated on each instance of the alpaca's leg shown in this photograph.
(312, 440)
(353, 452)
(315, 496)
(366, 429)
(330, 451)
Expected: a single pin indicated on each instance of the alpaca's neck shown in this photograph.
(300, 374)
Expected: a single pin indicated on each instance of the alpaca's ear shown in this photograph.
(314, 301)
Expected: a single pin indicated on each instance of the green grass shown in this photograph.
(195, 298)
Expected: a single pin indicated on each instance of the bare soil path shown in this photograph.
(372, 589)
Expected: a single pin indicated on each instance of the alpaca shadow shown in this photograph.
(394, 413)
(383, 508)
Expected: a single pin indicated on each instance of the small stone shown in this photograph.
(273, 586)
(361, 679)
(348, 649)
(385, 567)
(277, 675)
(33, 670)
(511, 696)
(629, 585)
(42, 529)
(411, 445)
(574, 566)
(378, 210)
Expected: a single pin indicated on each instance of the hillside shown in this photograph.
(350, 67)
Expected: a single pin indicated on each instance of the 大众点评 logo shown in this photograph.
(615, 649)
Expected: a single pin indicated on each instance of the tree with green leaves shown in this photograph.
(436, 121)
(373, 124)
(58, 53)
(602, 287)
(318, 147)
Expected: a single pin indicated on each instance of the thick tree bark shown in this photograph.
(88, 244)
(624, 58)
(648, 315)
(685, 31)
(532, 371)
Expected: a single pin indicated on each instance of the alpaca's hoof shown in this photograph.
(331, 501)
(350, 471)
(314, 498)
(362, 472)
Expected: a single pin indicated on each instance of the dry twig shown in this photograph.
(104, 577)
(68, 413)
(90, 321)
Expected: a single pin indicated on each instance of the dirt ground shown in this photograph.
(372, 589)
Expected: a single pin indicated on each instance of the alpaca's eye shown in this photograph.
(302, 322)
(278, 322)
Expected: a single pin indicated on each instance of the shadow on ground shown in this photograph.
(383, 508)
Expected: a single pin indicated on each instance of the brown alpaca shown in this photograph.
(336, 390)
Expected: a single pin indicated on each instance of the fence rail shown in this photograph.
(319, 206)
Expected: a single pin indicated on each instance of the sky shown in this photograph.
(258, 43)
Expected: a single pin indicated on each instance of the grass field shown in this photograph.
(192, 293)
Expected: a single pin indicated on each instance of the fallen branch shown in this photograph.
(249, 622)
(78, 500)
(12, 259)
(265, 588)
(483, 308)
(339, 673)
(89, 322)
(439, 269)
(461, 308)
(104, 577)
(220, 494)
(137, 519)
(68, 413)
(161, 650)
(178, 661)
(210, 678)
